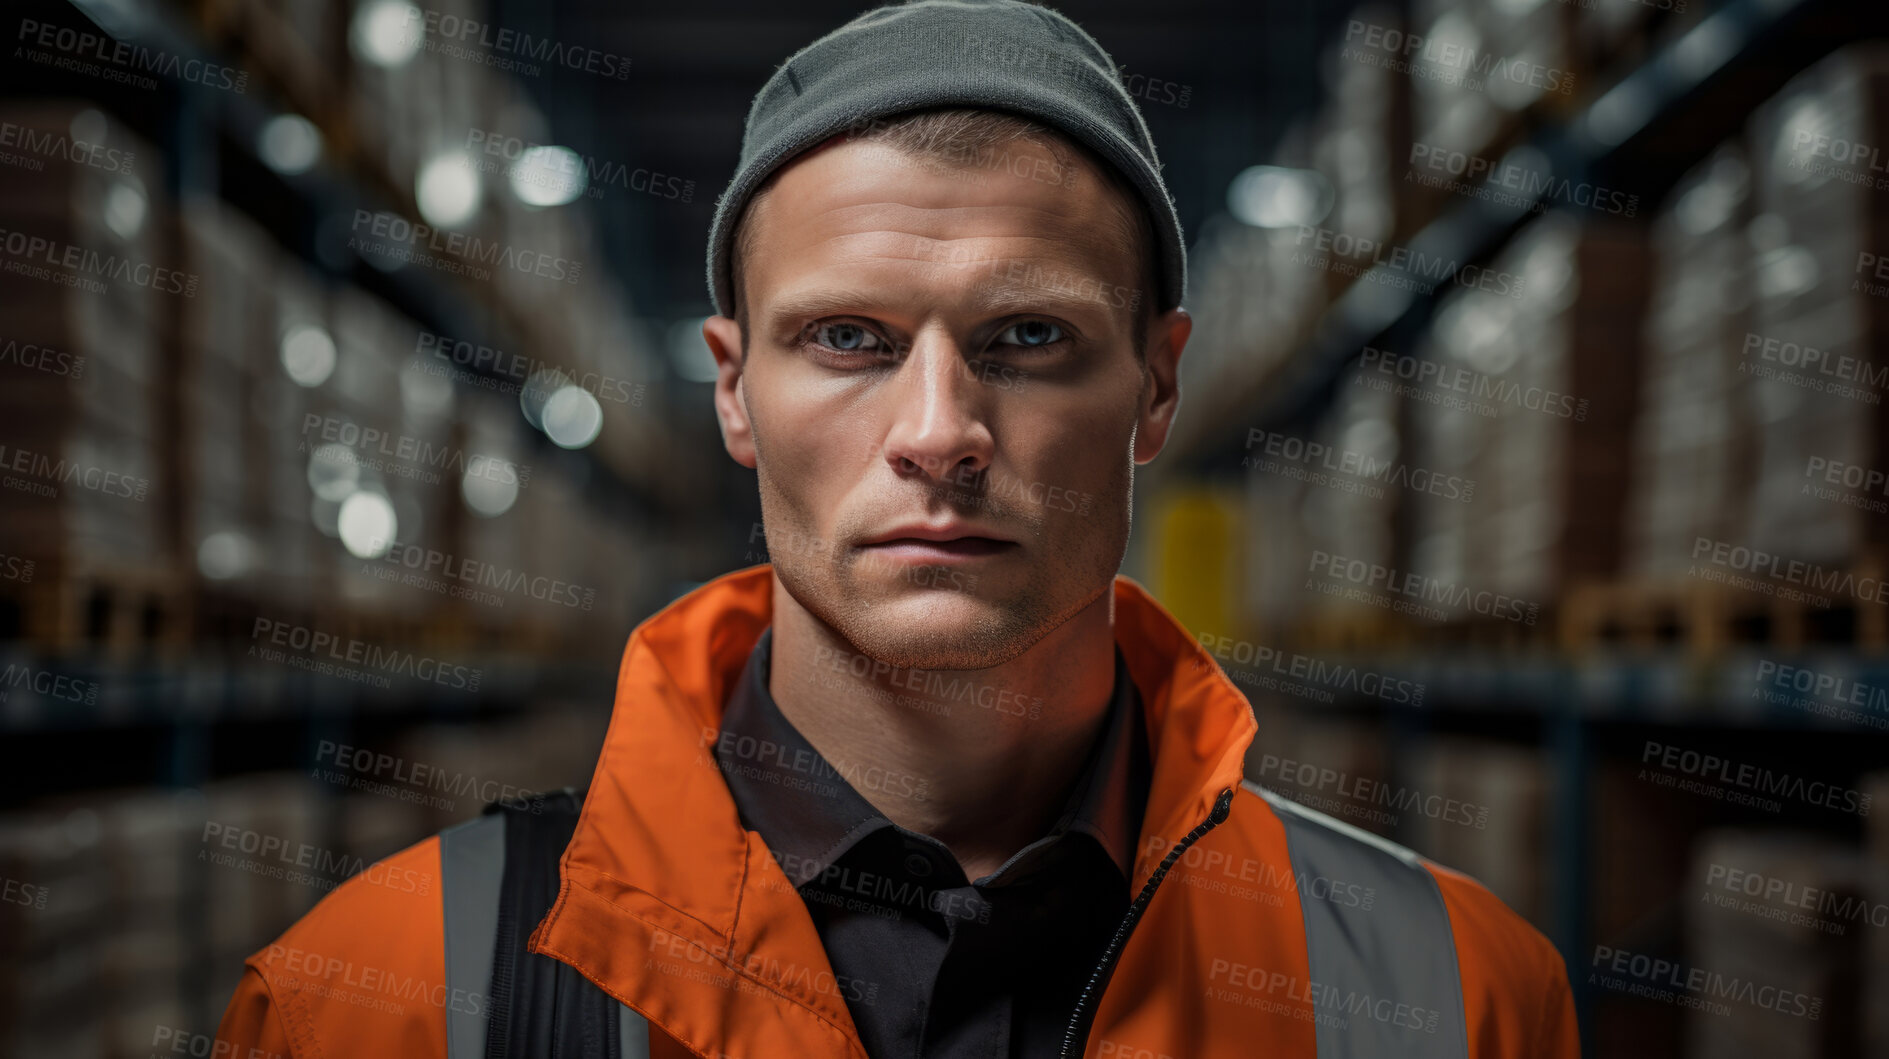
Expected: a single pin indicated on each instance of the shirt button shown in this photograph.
(919, 864)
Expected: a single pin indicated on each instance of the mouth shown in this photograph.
(932, 550)
(961, 542)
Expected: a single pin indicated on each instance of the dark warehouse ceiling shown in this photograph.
(1247, 67)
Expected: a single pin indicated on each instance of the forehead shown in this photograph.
(1016, 226)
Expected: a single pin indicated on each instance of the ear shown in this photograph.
(1161, 388)
(723, 335)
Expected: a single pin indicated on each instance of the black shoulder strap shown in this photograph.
(499, 878)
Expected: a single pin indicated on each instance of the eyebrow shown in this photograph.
(991, 298)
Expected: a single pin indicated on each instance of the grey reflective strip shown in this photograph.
(1384, 977)
(634, 1031)
(471, 868)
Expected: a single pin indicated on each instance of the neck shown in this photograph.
(980, 759)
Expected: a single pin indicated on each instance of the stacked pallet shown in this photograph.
(1547, 352)
(1785, 916)
(1691, 469)
(228, 353)
(54, 925)
(1820, 314)
(149, 840)
(89, 287)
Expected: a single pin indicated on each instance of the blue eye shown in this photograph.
(847, 338)
(1031, 334)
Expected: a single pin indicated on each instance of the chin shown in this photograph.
(927, 618)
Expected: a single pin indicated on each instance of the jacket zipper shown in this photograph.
(1075, 1036)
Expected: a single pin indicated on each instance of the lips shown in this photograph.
(948, 540)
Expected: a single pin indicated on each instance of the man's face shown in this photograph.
(944, 355)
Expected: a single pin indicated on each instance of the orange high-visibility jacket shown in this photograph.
(1280, 933)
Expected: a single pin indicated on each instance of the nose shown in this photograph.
(937, 427)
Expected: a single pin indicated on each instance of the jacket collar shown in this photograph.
(671, 906)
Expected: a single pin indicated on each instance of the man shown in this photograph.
(936, 782)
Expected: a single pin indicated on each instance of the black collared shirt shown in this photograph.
(932, 965)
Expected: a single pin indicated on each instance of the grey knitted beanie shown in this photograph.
(994, 54)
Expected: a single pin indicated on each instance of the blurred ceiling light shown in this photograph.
(1623, 111)
(387, 33)
(226, 554)
(1270, 196)
(1808, 118)
(572, 418)
(447, 189)
(688, 350)
(424, 395)
(548, 176)
(1786, 272)
(1515, 91)
(289, 144)
(1707, 46)
(125, 207)
(537, 391)
(89, 126)
(486, 496)
(308, 355)
(326, 515)
(367, 525)
(333, 472)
